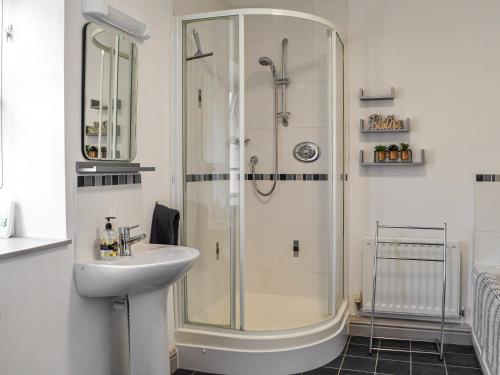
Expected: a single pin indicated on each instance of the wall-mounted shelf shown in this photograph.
(94, 167)
(104, 132)
(368, 98)
(415, 162)
(94, 104)
(406, 128)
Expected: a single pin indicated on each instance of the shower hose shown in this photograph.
(254, 160)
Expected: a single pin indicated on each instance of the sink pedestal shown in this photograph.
(145, 277)
(148, 333)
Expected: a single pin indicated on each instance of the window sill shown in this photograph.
(16, 246)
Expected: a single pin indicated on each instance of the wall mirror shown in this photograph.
(109, 99)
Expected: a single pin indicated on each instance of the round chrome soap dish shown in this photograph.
(306, 152)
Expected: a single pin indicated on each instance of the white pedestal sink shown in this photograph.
(145, 278)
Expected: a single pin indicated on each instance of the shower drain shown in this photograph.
(306, 152)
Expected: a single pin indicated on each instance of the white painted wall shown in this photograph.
(33, 117)
(196, 6)
(443, 58)
(130, 204)
(46, 327)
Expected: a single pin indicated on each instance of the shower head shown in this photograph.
(267, 61)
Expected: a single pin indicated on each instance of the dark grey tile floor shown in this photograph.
(355, 360)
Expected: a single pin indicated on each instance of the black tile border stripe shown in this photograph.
(259, 177)
(108, 180)
(487, 177)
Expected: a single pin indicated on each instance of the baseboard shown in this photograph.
(173, 361)
(410, 329)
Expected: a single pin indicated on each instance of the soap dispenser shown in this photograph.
(108, 241)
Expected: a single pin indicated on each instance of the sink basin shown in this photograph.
(145, 277)
(149, 268)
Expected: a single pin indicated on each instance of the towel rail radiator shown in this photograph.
(439, 343)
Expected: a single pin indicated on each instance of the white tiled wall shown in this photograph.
(487, 222)
(93, 204)
(297, 210)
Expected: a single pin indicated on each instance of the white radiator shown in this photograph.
(412, 287)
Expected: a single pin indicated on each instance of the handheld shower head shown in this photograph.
(267, 61)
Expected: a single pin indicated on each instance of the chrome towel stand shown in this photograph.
(439, 343)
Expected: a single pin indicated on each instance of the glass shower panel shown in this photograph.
(211, 198)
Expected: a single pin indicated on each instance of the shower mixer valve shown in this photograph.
(284, 116)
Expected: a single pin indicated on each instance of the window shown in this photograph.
(2, 36)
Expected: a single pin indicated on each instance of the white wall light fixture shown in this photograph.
(100, 11)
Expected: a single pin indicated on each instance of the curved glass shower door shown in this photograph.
(257, 87)
(290, 237)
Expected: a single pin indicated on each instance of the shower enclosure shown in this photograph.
(268, 225)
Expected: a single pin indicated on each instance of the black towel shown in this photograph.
(165, 225)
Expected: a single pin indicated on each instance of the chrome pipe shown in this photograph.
(413, 259)
(412, 243)
(409, 227)
(284, 116)
(370, 349)
(444, 292)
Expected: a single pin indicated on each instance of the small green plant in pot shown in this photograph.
(405, 151)
(91, 151)
(380, 152)
(393, 152)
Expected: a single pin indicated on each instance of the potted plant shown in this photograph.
(393, 152)
(104, 151)
(405, 151)
(380, 152)
(91, 151)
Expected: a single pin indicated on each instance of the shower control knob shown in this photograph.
(254, 160)
(306, 152)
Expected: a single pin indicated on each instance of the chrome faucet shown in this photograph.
(124, 239)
